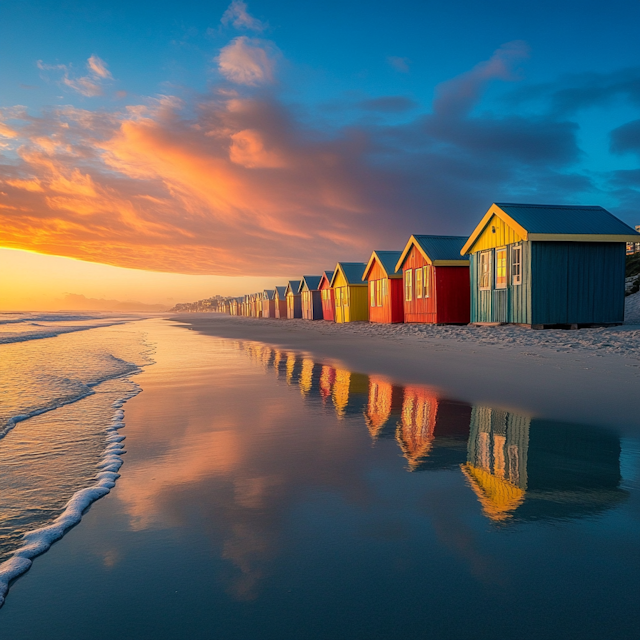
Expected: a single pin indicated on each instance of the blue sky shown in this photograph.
(334, 126)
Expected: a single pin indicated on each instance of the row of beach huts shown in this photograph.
(534, 265)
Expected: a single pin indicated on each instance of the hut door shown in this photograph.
(500, 293)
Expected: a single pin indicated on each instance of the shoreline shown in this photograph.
(589, 376)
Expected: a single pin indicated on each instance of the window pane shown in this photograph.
(516, 265)
(501, 268)
(408, 282)
(372, 292)
(419, 289)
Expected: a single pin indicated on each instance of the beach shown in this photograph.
(287, 479)
(588, 375)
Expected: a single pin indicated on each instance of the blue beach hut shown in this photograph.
(548, 265)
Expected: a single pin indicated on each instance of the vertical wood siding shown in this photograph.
(503, 235)
(419, 309)
(578, 282)
(392, 309)
(328, 303)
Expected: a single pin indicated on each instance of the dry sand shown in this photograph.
(588, 376)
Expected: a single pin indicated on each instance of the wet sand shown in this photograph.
(586, 376)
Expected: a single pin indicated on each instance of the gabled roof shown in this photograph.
(281, 291)
(328, 276)
(293, 286)
(440, 251)
(352, 272)
(559, 223)
(312, 283)
(387, 260)
(269, 294)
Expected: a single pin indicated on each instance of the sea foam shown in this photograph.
(39, 541)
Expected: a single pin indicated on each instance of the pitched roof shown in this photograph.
(328, 276)
(281, 291)
(557, 223)
(312, 282)
(269, 294)
(293, 286)
(437, 250)
(352, 272)
(387, 260)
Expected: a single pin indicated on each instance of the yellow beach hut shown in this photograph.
(351, 300)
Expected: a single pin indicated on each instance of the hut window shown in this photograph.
(419, 289)
(516, 264)
(484, 271)
(427, 282)
(408, 285)
(385, 291)
(372, 289)
(501, 268)
(379, 292)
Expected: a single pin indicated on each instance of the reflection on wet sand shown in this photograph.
(517, 468)
(241, 463)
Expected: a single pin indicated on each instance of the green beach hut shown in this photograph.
(548, 265)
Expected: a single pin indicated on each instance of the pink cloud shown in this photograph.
(247, 61)
(238, 16)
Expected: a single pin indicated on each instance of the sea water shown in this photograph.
(63, 381)
(269, 495)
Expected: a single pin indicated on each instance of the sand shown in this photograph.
(590, 376)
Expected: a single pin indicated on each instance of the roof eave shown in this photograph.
(494, 209)
(411, 243)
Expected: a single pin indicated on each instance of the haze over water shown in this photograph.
(266, 495)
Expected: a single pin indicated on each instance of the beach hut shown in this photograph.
(350, 292)
(385, 287)
(294, 301)
(268, 303)
(548, 265)
(311, 297)
(436, 280)
(326, 293)
(280, 301)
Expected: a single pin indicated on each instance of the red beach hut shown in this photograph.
(385, 287)
(436, 280)
(280, 300)
(326, 293)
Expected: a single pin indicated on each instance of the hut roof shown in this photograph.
(328, 276)
(352, 272)
(293, 287)
(311, 282)
(269, 294)
(437, 250)
(388, 261)
(281, 291)
(560, 223)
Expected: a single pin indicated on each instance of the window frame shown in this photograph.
(408, 285)
(372, 293)
(501, 251)
(426, 281)
(378, 293)
(485, 258)
(419, 283)
(516, 267)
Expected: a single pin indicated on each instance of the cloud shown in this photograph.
(239, 183)
(626, 139)
(399, 64)
(572, 93)
(238, 16)
(456, 97)
(90, 85)
(247, 61)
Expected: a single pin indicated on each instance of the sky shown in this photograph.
(163, 152)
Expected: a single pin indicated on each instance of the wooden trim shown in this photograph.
(450, 263)
(411, 243)
(506, 218)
